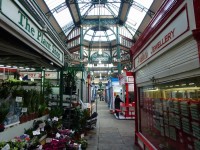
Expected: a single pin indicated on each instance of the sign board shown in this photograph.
(22, 18)
(38, 75)
(18, 99)
(177, 27)
(24, 109)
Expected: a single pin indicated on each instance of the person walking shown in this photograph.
(117, 105)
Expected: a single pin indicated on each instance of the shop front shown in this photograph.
(167, 77)
(32, 49)
(126, 80)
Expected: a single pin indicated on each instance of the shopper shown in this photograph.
(117, 105)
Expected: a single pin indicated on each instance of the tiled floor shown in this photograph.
(111, 133)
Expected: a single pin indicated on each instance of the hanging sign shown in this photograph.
(22, 18)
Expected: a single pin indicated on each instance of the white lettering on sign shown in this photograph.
(25, 23)
(23, 19)
(177, 27)
(142, 57)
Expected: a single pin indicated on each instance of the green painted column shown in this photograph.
(43, 80)
(81, 58)
(118, 50)
(61, 87)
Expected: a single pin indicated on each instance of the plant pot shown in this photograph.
(2, 127)
(23, 119)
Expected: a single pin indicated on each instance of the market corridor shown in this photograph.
(110, 133)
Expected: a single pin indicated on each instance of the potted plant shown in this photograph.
(83, 143)
(56, 112)
(4, 109)
(47, 89)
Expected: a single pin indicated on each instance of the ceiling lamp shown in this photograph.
(100, 51)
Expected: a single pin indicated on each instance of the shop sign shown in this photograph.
(130, 79)
(170, 32)
(23, 19)
(38, 75)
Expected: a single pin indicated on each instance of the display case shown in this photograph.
(169, 114)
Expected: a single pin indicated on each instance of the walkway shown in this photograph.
(110, 133)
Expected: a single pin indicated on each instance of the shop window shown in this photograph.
(170, 114)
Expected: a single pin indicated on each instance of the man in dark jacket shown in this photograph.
(117, 104)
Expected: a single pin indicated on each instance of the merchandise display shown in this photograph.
(171, 120)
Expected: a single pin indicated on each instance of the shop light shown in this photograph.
(1, 65)
(8, 66)
(27, 68)
(185, 88)
(21, 67)
(110, 65)
(191, 83)
(100, 51)
(14, 66)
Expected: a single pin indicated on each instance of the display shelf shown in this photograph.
(177, 121)
(197, 144)
(195, 111)
(18, 129)
(172, 133)
(184, 105)
(176, 108)
(186, 125)
(196, 129)
(11, 125)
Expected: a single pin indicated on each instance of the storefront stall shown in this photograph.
(115, 89)
(167, 76)
(27, 42)
(126, 80)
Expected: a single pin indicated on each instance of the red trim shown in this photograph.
(127, 100)
(197, 12)
(8, 69)
(136, 105)
(145, 141)
(160, 18)
(196, 35)
(182, 9)
(128, 73)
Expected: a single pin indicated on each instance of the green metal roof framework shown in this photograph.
(100, 16)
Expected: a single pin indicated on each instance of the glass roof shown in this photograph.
(107, 8)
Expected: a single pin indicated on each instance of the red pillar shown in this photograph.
(127, 94)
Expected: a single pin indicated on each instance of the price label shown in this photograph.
(24, 109)
(18, 99)
(37, 132)
(57, 135)
(55, 119)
